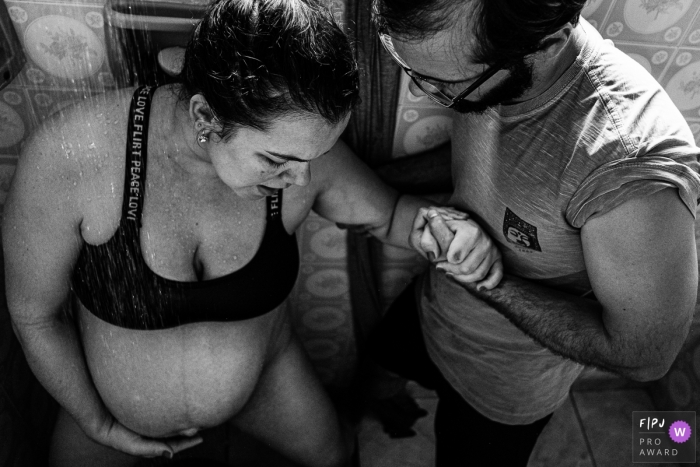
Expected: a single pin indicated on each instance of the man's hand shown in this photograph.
(430, 236)
(458, 245)
(472, 257)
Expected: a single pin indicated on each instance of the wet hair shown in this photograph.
(505, 30)
(258, 60)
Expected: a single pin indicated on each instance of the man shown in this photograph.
(577, 163)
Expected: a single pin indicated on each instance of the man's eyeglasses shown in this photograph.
(424, 83)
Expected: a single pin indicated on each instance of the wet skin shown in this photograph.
(163, 382)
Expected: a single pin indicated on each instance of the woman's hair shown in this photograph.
(258, 60)
(505, 30)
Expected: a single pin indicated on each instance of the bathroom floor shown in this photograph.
(592, 429)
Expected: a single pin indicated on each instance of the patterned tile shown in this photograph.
(46, 101)
(406, 97)
(682, 82)
(596, 11)
(17, 81)
(60, 2)
(694, 124)
(421, 128)
(421, 124)
(606, 417)
(64, 44)
(320, 301)
(649, 21)
(16, 119)
(692, 37)
(655, 59)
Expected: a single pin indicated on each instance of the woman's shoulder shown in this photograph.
(76, 158)
(86, 136)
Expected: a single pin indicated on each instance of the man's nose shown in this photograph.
(415, 90)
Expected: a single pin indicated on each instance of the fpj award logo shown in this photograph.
(664, 437)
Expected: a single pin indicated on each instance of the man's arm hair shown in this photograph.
(642, 263)
(570, 326)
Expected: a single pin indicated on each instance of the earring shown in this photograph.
(202, 138)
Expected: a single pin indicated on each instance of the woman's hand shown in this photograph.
(458, 245)
(115, 435)
(430, 235)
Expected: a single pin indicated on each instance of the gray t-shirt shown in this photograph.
(533, 173)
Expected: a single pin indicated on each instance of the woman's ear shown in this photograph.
(202, 116)
(200, 111)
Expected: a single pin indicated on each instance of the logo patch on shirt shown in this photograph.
(519, 232)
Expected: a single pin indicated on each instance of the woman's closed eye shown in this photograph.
(274, 164)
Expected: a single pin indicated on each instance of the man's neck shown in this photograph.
(546, 71)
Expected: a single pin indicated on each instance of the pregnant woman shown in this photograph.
(177, 258)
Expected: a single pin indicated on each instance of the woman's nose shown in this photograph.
(299, 174)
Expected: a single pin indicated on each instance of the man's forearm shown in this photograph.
(570, 326)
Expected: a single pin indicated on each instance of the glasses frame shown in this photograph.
(419, 80)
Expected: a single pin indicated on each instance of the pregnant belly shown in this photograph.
(161, 383)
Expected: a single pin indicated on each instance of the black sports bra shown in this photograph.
(113, 281)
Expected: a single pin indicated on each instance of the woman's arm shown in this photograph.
(349, 192)
(41, 241)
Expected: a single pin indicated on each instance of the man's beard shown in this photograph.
(519, 80)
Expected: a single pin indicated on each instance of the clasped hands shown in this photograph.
(458, 246)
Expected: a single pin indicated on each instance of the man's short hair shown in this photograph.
(504, 29)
